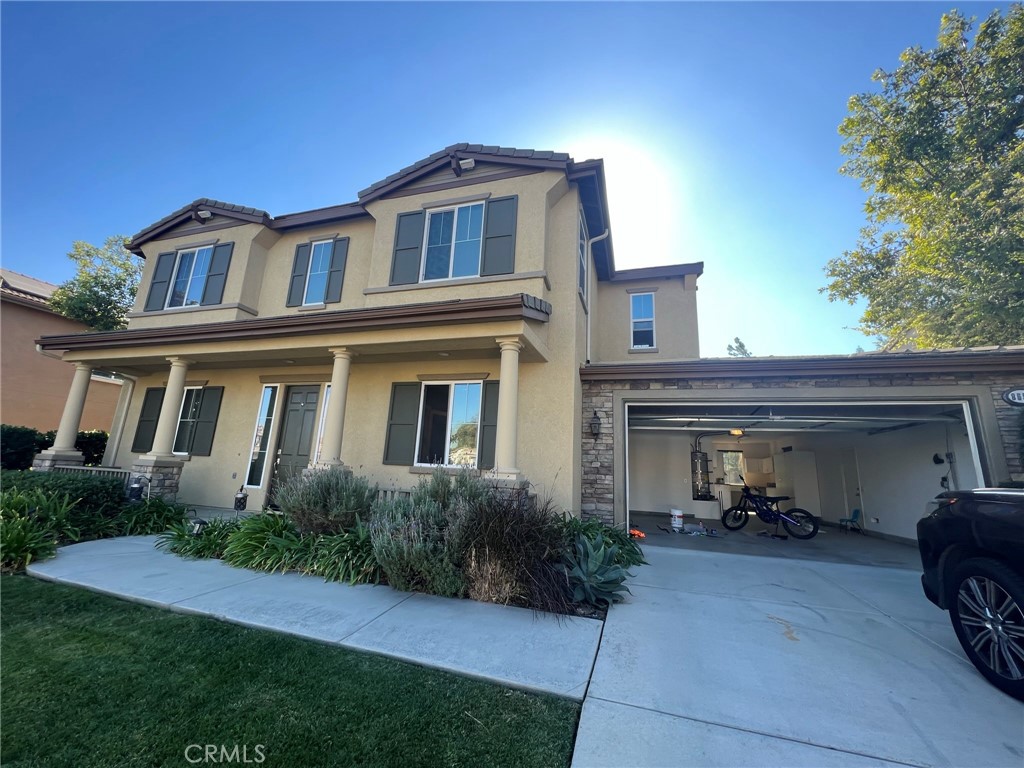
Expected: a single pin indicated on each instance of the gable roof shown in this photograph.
(22, 289)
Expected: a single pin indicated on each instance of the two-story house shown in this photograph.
(441, 319)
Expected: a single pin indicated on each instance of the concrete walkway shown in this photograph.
(731, 660)
(510, 646)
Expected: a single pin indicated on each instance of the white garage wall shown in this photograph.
(659, 476)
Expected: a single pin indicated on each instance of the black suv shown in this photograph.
(972, 550)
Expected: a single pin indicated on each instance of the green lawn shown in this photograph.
(88, 680)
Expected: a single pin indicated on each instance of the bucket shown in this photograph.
(677, 518)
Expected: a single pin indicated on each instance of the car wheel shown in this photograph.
(986, 606)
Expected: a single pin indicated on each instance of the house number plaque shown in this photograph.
(1014, 396)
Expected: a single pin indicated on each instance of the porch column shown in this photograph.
(505, 458)
(170, 410)
(334, 423)
(71, 419)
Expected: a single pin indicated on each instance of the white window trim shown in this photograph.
(448, 424)
(191, 272)
(309, 273)
(451, 251)
(177, 428)
(651, 320)
(255, 429)
(583, 254)
(325, 399)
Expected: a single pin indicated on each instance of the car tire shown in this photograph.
(986, 607)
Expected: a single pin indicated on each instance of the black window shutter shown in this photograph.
(336, 277)
(400, 442)
(148, 417)
(300, 267)
(488, 425)
(206, 422)
(405, 264)
(213, 293)
(161, 282)
(499, 256)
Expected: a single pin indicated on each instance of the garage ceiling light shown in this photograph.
(736, 432)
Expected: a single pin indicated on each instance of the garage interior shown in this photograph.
(887, 459)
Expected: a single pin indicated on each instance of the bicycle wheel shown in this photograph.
(806, 524)
(735, 518)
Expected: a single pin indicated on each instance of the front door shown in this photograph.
(297, 431)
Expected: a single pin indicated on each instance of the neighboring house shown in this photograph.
(442, 318)
(34, 386)
(467, 310)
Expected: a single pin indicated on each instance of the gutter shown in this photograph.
(590, 245)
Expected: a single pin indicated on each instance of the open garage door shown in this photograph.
(886, 459)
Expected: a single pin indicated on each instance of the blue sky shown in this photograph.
(717, 123)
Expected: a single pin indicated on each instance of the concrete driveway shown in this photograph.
(722, 659)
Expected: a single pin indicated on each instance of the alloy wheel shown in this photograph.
(994, 625)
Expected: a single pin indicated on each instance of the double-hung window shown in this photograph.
(190, 277)
(449, 424)
(319, 268)
(187, 419)
(452, 242)
(196, 425)
(582, 253)
(641, 314)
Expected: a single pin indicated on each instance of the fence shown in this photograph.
(121, 474)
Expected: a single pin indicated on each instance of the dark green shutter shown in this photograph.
(148, 417)
(206, 422)
(488, 424)
(336, 277)
(213, 293)
(499, 256)
(300, 267)
(405, 264)
(161, 282)
(400, 442)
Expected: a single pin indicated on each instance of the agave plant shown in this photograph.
(593, 575)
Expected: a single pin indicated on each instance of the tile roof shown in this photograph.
(25, 287)
(202, 202)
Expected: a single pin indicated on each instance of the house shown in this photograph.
(441, 318)
(468, 311)
(34, 387)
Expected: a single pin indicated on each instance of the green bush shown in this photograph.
(409, 543)
(510, 549)
(326, 501)
(628, 553)
(592, 572)
(99, 498)
(266, 542)
(210, 542)
(19, 445)
(23, 539)
(346, 556)
(144, 518)
(52, 510)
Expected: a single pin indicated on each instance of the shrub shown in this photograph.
(326, 501)
(99, 498)
(593, 575)
(346, 556)
(51, 510)
(266, 542)
(23, 539)
(19, 445)
(510, 549)
(409, 543)
(210, 542)
(628, 553)
(92, 444)
(144, 518)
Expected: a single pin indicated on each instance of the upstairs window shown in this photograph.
(319, 269)
(190, 277)
(641, 310)
(452, 242)
(582, 253)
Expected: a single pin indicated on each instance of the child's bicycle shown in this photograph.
(799, 523)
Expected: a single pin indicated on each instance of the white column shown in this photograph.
(71, 419)
(170, 410)
(506, 441)
(334, 423)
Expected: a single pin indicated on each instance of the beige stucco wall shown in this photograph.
(675, 320)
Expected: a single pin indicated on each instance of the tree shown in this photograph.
(738, 349)
(103, 291)
(940, 151)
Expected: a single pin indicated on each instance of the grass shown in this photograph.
(89, 680)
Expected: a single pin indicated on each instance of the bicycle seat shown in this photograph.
(777, 498)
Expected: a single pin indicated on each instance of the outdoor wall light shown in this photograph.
(137, 487)
(595, 425)
(204, 215)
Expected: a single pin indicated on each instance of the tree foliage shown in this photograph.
(738, 349)
(103, 290)
(940, 151)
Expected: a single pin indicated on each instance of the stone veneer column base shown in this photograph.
(163, 474)
(50, 458)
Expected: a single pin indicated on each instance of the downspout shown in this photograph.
(590, 246)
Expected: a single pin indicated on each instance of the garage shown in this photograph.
(881, 433)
